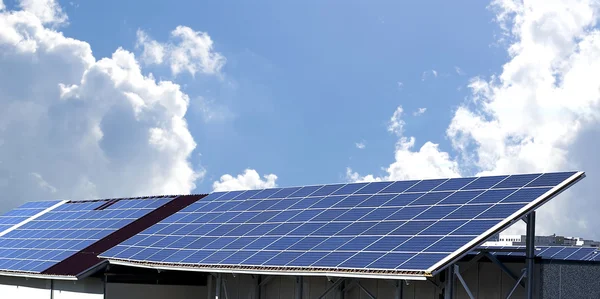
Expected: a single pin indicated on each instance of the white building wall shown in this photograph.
(16, 287)
(89, 288)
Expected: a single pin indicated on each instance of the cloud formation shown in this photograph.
(426, 162)
(419, 111)
(74, 127)
(250, 179)
(188, 50)
(541, 113)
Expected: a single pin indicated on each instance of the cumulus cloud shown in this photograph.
(47, 11)
(419, 111)
(542, 112)
(250, 179)
(426, 162)
(2, 6)
(360, 145)
(188, 50)
(74, 127)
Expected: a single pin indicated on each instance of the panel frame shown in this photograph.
(397, 273)
(465, 249)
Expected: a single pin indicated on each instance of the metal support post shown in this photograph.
(331, 287)
(398, 294)
(462, 281)
(503, 267)
(218, 287)
(365, 290)
(517, 284)
(449, 289)
(257, 286)
(530, 254)
(209, 285)
(299, 283)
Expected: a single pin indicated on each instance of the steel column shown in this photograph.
(299, 285)
(218, 287)
(257, 286)
(449, 288)
(398, 294)
(530, 253)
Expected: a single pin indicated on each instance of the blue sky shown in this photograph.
(312, 78)
(110, 98)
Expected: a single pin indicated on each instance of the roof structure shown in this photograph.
(398, 230)
(61, 239)
(554, 253)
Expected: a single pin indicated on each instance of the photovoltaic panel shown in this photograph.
(24, 212)
(395, 227)
(68, 228)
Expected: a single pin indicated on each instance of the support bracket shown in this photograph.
(462, 281)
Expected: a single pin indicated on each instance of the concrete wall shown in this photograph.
(570, 280)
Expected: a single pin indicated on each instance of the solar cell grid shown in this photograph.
(65, 230)
(404, 225)
(24, 212)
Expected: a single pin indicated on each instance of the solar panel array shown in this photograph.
(402, 226)
(564, 253)
(24, 212)
(67, 229)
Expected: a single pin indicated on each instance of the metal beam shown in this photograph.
(209, 284)
(365, 290)
(503, 267)
(449, 289)
(530, 253)
(266, 280)
(257, 279)
(299, 285)
(517, 284)
(331, 287)
(462, 281)
(473, 261)
(224, 286)
(398, 294)
(218, 287)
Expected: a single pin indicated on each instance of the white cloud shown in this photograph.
(396, 124)
(360, 145)
(189, 50)
(428, 74)
(419, 111)
(76, 127)
(250, 179)
(427, 162)
(47, 11)
(459, 71)
(2, 6)
(400, 85)
(542, 112)
(153, 52)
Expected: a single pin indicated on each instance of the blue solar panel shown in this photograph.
(24, 212)
(401, 226)
(68, 228)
